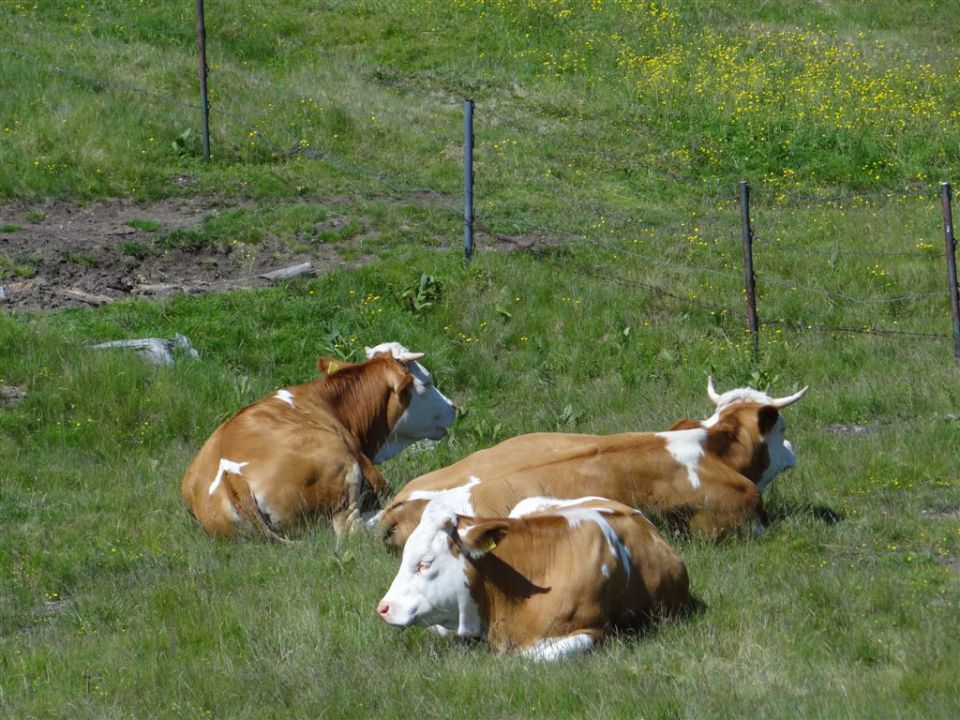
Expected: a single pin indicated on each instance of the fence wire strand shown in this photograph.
(443, 201)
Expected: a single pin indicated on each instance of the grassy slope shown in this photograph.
(112, 604)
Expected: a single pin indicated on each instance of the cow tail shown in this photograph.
(243, 502)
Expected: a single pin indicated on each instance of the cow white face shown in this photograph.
(780, 452)
(429, 413)
(430, 587)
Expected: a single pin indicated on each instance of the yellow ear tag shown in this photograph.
(332, 368)
(488, 545)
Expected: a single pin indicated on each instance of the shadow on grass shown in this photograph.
(648, 627)
(641, 629)
(785, 511)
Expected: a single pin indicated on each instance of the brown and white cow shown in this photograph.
(548, 582)
(305, 451)
(701, 476)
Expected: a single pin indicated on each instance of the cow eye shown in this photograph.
(424, 564)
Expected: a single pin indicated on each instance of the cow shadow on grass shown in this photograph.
(677, 524)
(783, 511)
(649, 626)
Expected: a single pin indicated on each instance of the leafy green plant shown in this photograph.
(486, 432)
(186, 143)
(422, 296)
(763, 379)
(567, 418)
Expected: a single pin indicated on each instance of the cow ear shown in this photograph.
(483, 538)
(767, 418)
(328, 365)
(324, 363)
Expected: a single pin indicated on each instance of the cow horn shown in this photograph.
(711, 392)
(789, 400)
(409, 356)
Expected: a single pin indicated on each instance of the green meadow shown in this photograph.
(606, 286)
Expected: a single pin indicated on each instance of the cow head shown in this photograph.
(400, 518)
(748, 431)
(348, 382)
(430, 587)
(398, 521)
(429, 413)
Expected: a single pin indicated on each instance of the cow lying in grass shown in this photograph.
(548, 582)
(308, 451)
(701, 476)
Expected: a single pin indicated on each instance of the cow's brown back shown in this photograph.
(635, 469)
(551, 578)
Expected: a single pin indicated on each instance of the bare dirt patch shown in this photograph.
(58, 255)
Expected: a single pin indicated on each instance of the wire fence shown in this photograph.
(929, 261)
(661, 248)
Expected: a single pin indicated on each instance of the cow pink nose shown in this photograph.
(383, 609)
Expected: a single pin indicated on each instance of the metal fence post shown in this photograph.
(951, 248)
(468, 179)
(204, 105)
(746, 234)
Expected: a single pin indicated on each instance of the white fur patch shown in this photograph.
(732, 397)
(286, 396)
(354, 476)
(576, 511)
(686, 447)
(575, 516)
(225, 467)
(540, 503)
(456, 499)
(746, 394)
(554, 649)
(430, 587)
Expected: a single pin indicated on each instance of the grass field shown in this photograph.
(612, 132)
